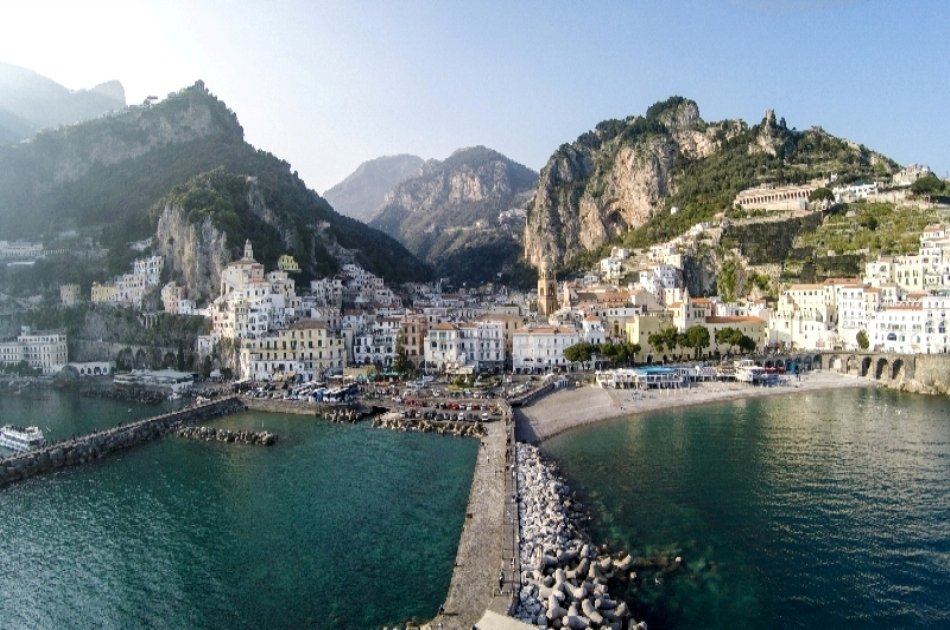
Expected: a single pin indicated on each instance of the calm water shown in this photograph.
(337, 526)
(825, 510)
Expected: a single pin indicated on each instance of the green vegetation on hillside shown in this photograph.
(109, 172)
(871, 228)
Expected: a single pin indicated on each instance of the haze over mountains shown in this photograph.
(30, 102)
(364, 191)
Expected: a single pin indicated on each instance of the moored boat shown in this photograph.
(21, 439)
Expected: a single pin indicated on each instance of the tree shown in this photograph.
(697, 338)
(729, 336)
(401, 362)
(926, 186)
(746, 343)
(665, 339)
(579, 352)
(862, 338)
(822, 194)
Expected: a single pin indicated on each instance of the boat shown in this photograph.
(749, 372)
(21, 439)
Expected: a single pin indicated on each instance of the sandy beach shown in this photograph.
(570, 408)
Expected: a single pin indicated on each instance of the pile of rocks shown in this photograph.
(209, 434)
(350, 415)
(565, 582)
(460, 429)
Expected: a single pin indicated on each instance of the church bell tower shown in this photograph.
(547, 288)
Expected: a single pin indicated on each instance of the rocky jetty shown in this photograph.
(461, 429)
(348, 415)
(209, 434)
(96, 445)
(566, 583)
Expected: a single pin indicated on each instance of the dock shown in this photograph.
(487, 572)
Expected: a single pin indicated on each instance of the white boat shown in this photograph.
(749, 372)
(21, 439)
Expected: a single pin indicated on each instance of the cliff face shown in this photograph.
(612, 179)
(362, 193)
(194, 252)
(462, 207)
(623, 178)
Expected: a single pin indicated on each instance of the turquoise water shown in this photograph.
(822, 510)
(337, 526)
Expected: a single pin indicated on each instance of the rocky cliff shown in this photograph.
(115, 177)
(195, 253)
(614, 178)
(461, 215)
(620, 182)
(364, 191)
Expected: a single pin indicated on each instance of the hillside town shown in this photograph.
(263, 327)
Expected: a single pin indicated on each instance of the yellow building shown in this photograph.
(306, 350)
(287, 263)
(640, 328)
(103, 293)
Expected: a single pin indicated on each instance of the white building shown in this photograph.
(542, 349)
(44, 351)
(150, 269)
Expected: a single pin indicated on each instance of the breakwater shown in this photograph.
(566, 583)
(211, 434)
(93, 446)
(396, 421)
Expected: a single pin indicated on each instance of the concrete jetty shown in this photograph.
(96, 445)
(487, 567)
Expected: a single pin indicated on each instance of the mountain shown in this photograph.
(362, 193)
(463, 216)
(30, 102)
(618, 182)
(113, 179)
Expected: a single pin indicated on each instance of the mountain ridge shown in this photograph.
(452, 215)
(619, 181)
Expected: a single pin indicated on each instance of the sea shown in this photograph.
(826, 509)
(337, 526)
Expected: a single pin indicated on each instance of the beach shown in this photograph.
(579, 406)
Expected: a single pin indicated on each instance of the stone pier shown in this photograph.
(93, 446)
(487, 570)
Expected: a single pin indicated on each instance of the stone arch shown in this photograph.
(881, 368)
(852, 364)
(141, 359)
(816, 361)
(837, 363)
(897, 369)
(125, 360)
(769, 364)
(169, 360)
(650, 358)
(865, 366)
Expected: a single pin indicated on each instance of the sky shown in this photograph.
(329, 85)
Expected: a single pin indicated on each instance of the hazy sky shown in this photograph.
(328, 85)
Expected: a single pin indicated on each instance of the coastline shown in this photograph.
(568, 409)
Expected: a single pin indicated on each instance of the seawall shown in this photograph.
(93, 446)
